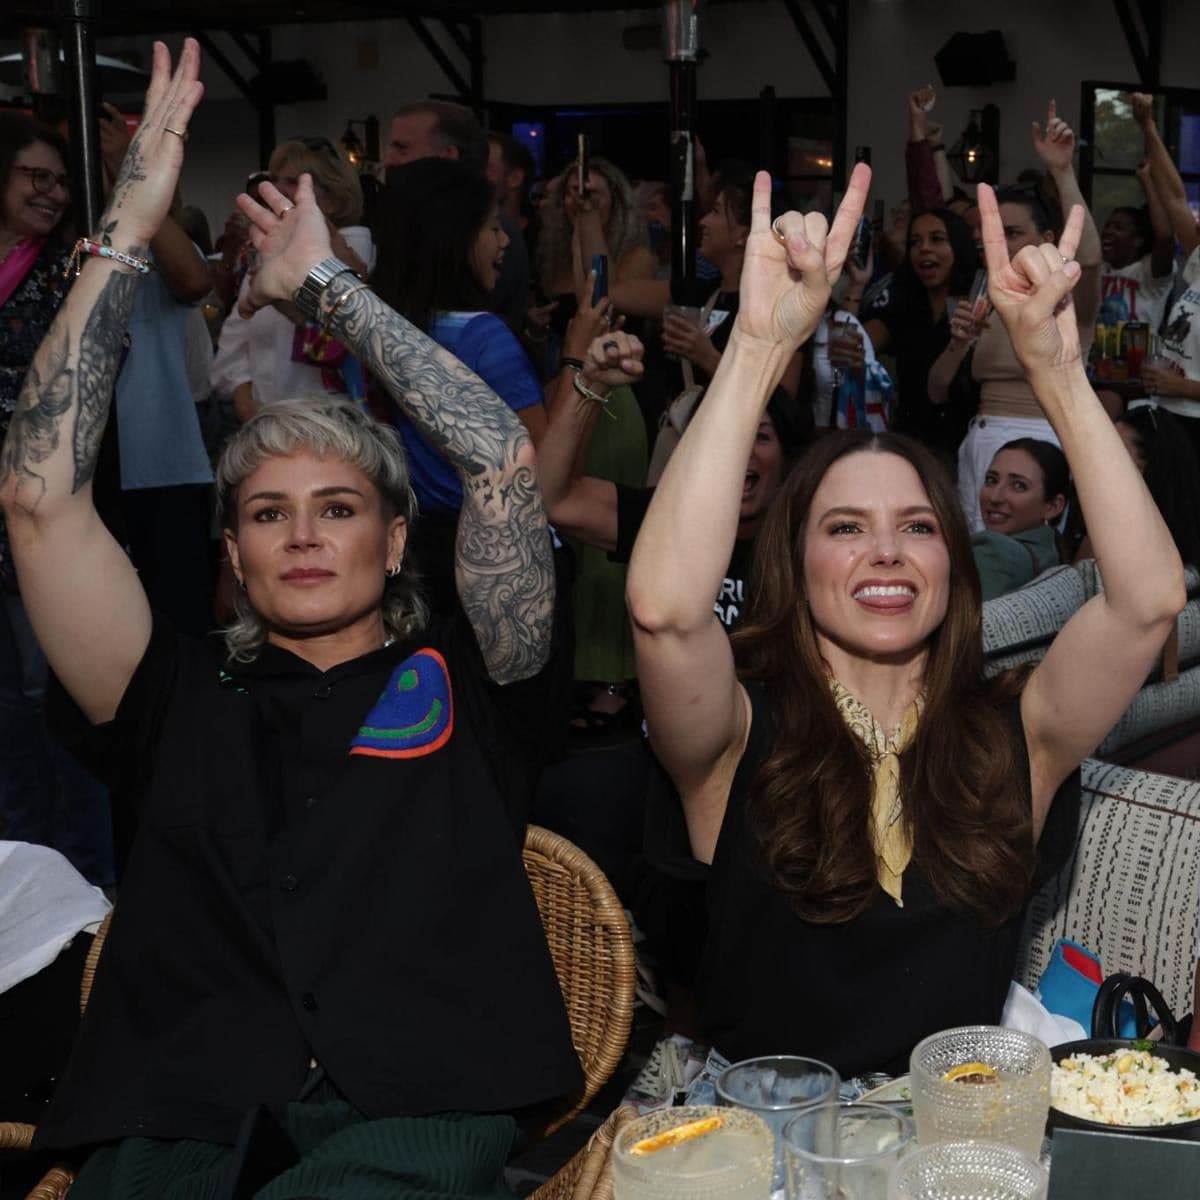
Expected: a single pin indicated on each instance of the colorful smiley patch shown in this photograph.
(415, 714)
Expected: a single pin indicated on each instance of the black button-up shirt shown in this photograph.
(326, 865)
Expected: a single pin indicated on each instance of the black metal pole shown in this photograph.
(76, 21)
(266, 102)
(683, 170)
(841, 96)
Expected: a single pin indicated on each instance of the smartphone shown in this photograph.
(582, 157)
(860, 247)
(600, 287)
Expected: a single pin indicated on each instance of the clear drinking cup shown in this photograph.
(693, 316)
(968, 1171)
(1009, 1105)
(777, 1088)
(844, 1151)
(977, 296)
(731, 1162)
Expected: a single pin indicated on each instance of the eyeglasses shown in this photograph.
(44, 179)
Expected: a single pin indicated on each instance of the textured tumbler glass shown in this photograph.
(731, 1162)
(1009, 1104)
(968, 1171)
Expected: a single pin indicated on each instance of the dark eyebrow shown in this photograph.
(332, 490)
(911, 511)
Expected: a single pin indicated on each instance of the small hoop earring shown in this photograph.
(392, 572)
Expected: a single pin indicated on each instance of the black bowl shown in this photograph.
(1175, 1056)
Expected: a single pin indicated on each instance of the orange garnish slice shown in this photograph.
(672, 1137)
(972, 1072)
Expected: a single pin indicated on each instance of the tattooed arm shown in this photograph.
(503, 564)
(504, 567)
(83, 596)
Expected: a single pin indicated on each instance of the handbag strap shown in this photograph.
(1144, 995)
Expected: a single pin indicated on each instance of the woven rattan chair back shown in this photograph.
(592, 951)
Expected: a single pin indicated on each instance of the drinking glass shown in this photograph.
(777, 1088)
(692, 315)
(1010, 1107)
(732, 1162)
(977, 297)
(844, 1151)
(968, 1171)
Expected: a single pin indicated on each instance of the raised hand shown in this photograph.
(920, 104)
(1142, 106)
(680, 336)
(1032, 293)
(614, 358)
(1055, 146)
(290, 239)
(785, 285)
(147, 177)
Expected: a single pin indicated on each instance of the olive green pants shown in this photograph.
(451, 1156)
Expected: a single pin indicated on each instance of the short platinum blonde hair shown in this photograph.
(326, 427)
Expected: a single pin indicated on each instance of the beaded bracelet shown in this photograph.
(86, 248)
(595, 397)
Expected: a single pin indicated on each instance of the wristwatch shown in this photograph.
(308, 295)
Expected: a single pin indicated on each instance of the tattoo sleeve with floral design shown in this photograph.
(67, 386)
(504, 562)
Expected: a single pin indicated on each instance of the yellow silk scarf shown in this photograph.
(893, 842)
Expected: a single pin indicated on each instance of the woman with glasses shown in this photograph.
(268, 349)
(36, 780)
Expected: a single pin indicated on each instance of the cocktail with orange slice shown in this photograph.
(696, 1152)
(983, 1083)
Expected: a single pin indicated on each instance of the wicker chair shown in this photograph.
(592, 951)
(16, 1135)
(588, 1176)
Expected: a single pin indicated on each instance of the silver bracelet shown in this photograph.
(595, 397)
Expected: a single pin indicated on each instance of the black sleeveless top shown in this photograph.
(857, 995)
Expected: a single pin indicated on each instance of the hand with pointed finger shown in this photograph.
(612, 359)
(290, 239)
(1032, 294)
(785, 284)
(145, 184)
(1055, 145)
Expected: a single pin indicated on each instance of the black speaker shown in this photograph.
(288, 83)
(975, 60)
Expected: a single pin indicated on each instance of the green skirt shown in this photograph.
(603, 640)
(343, 1156)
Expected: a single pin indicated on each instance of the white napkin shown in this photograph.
(1024, 1011)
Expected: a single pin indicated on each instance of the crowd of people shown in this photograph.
(332, 549)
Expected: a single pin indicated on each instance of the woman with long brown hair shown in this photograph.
(875, 811)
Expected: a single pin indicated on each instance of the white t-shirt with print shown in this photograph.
(1133, 293)
(1181, 336)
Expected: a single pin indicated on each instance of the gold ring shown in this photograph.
(780, 236)
(285, 211)
(181, 134)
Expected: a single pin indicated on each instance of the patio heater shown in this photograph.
(76, 23)
(681, 47)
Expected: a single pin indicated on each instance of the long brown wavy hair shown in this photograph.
(965, 803)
